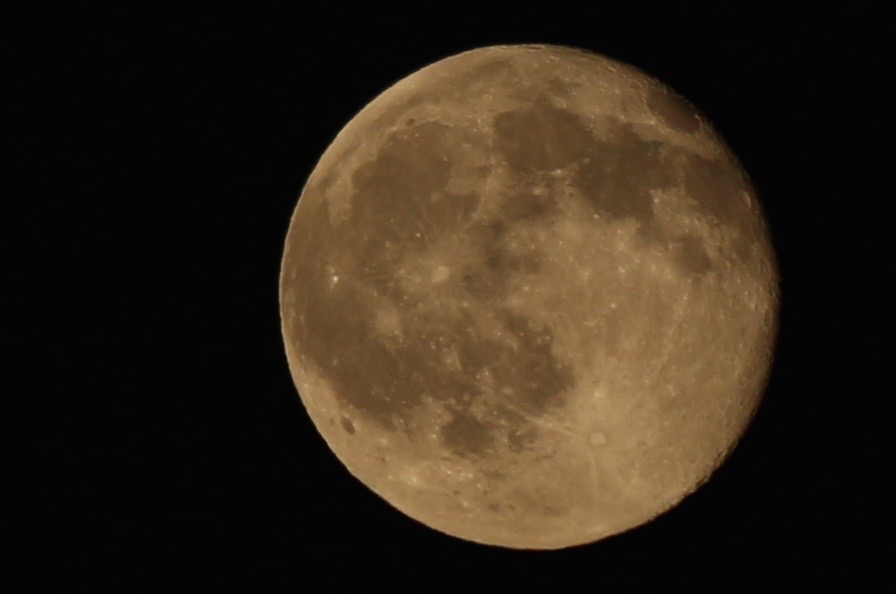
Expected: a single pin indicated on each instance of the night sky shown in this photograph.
(159, 442)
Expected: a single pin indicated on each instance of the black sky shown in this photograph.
(159, 437)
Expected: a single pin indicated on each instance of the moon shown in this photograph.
(529, 297)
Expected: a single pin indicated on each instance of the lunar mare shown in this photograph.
(528, 297)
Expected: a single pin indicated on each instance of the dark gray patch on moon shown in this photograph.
(691, 256)
(401, 207)
(560, 89)
(322, 178)
(486, 280)
(466, 435)
(481, 79)
(540, 137)
(521, 438)
(674, 110)
(530, 372)
(617, 174)
(398, 196)
(522, 202)
(621, 170)
(716, 185)
(617, 171)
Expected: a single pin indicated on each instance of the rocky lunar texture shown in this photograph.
(528, 297)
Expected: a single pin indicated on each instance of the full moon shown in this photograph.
(529, 298)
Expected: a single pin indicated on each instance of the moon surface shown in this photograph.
(529, 298)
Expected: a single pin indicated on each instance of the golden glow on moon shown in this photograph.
(528, 297)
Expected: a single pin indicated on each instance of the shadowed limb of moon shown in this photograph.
(528, 297)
